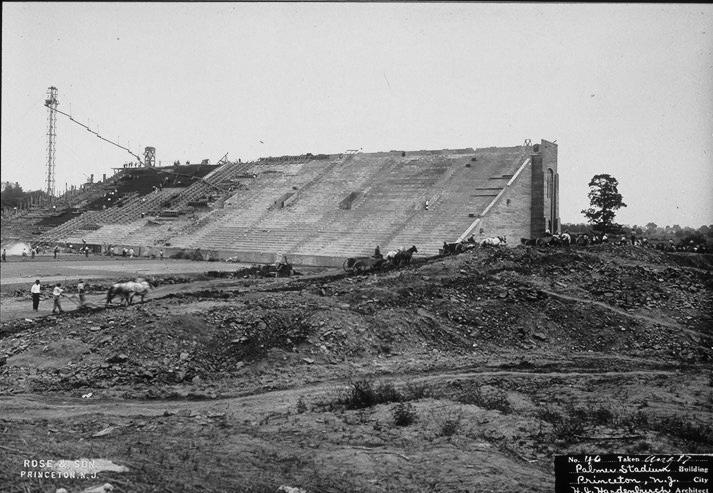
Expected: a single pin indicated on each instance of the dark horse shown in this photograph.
(365, 264)
(403, 257)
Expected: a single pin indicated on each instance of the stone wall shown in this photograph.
(510, 216)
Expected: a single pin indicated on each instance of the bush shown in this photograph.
(565, 426)
(450, 425)
(404, 414)
(569, 428)
(301, 406)
(362, 394)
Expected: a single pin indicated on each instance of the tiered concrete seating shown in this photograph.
(390, 191)
(340, 207)
(109, 234)
(130, 211)
(246, 212)
(464, 194)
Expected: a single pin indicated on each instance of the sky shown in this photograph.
(623, 89)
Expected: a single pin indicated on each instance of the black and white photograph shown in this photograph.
(306, 247)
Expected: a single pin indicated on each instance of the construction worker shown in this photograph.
(377, 252)
(36, 290)
(57, 292)
(80, 292)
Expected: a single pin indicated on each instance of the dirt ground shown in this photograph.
(465, 373)
(20, 273)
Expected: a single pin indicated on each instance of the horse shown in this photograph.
(390, 255)
(494, 241)
(582, 240)
(528, 241)
(127, 290)
(122, 289)
(403, 257)
(141, 288)
(458, 247)
(450, 248)
(547, 241)
(365, 264)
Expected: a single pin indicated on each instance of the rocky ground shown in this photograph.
(464, 373)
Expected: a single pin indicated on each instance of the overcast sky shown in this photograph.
(623, 89)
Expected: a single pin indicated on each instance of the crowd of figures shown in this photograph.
(40, 250)
(58, 292)
(567, 239)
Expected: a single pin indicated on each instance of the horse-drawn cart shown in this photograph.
(362, 264)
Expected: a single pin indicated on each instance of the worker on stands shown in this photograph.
(377, 252)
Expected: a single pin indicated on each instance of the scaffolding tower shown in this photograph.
(51, 102)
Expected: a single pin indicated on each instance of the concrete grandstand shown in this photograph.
(318, 209)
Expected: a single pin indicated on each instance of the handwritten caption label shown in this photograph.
(622, 473)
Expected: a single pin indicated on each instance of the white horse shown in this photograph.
(141, 288)
(494, 241)
(391, 254)
(127, 291)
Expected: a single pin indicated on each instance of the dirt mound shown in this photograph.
(479, 302)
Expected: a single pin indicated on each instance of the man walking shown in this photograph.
(56, 251)
(36, 290)
(4, 255)
(80, 292)
(56, 294)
